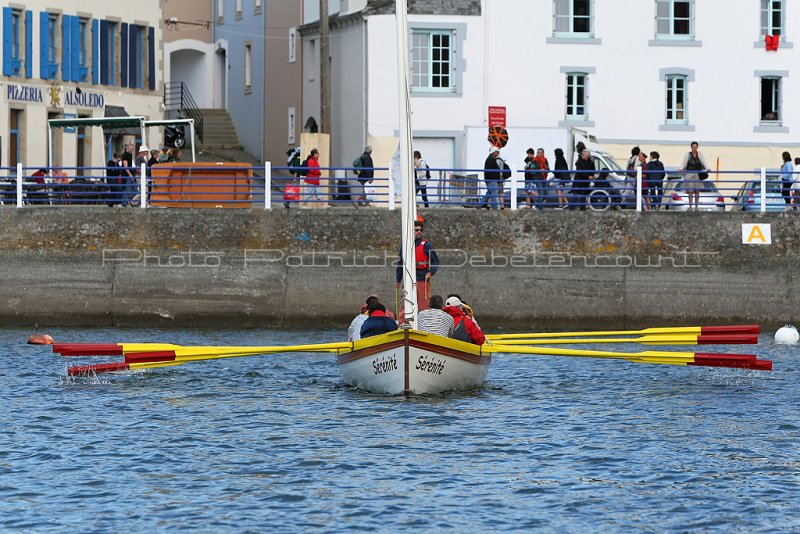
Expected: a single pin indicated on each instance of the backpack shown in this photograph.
(460, 332)
(357, 163)
(506, 171)
(631, 170)
(304, 170)
(427, 171)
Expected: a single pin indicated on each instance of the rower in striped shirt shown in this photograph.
(434, 320)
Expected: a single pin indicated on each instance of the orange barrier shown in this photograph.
(201, 185)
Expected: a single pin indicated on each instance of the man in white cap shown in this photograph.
(465, 328)
(493, 176)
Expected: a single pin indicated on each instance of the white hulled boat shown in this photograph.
(408, 361)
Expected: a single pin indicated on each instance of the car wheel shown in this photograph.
(599, 200)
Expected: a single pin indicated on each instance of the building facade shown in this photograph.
(190, 56)
(75, 58)
(655, 73)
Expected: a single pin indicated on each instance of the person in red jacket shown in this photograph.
(312, 179)
(465, 328)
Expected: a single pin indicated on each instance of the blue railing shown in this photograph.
(212, 185)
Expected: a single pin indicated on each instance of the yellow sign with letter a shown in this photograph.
(756, 234)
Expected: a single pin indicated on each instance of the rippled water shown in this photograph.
(277, 443)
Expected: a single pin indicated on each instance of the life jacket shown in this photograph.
(422, 259)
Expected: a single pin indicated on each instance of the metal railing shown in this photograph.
(178, 98)
(209, 185)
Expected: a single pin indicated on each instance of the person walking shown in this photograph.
(584, 174)
(694, 166)
(562, 177)
(427, 263)
(312, 179)
(364, 169)
(422, 174)
(532, 179)
(787, 179)
(655, 179)
(493, 177)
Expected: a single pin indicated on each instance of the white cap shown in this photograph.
(453, 301)
(144, 148)
(493, 149)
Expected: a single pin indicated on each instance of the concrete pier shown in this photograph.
(281, 268)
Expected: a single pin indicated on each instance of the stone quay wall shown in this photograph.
(313, 268)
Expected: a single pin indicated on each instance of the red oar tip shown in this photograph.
(727, 339)
(732, 329)
(97, 368)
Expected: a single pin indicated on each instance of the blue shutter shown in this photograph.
(44, 45)
(8, 67)
(75, 56)
(95, 53)
(65, 56)
(134, 61)
(151, 58)
(104, 52)
(29, 44)
(123, 52)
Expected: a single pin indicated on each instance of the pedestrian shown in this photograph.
(422, 174)
(493, 177)
(312, 179)
(584, 174)
(127, 174)
(647, 194)
(544, 167)
(562, 177)
(531, 179)
(427, 263)
(291, 186)
(695, 169)
(787, 179)
(364, 169)
(655, 179)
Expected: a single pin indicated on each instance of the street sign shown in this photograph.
(497, 116)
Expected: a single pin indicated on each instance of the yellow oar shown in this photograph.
(747, 361)
(697, 330)
(658, 339)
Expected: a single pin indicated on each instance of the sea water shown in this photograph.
(278, 443)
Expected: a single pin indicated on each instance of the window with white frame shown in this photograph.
(772, 17)
(431, 60)
(771, 100)
(576, 96)
(571, 17)
(239, 8)
(220, 9)
(676, 99)
(292, 44)
(257, 7)
(248, 67)
(674, 19)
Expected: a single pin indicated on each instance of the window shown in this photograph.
(292, 45)
(676, 100)
(17, 52)
(83, 57)
(53, 40)
(238, 9)
(257, 7)
(136, 56)
(431, 61)
(572, 17)
(108, 32)
(576, 96)
(14, 136)
(674, 19)
(48, 45)
(248, 68)
(771, 17)
(220, 9)
(771, 100)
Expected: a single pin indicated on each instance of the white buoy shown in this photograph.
(787, 335)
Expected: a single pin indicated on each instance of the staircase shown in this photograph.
(218, 130)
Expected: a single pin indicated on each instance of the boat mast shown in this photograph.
(407, 192)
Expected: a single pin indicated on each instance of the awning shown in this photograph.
(134, 123)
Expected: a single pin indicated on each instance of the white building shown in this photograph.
(76, 58)
(654, 73)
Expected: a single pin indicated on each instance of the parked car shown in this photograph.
(749, 196)
(676, 195)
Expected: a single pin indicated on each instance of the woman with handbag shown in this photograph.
(695, 169)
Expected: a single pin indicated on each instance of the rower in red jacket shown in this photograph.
(465, 328)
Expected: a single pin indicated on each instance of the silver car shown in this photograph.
(749, 196)
(676, 195)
